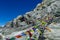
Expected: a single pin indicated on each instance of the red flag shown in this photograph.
(18, 36)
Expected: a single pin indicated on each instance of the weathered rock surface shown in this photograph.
(51, 7)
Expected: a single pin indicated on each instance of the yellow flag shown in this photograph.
(44, 23)
(39, 31)
(48, 29)
(31, 31)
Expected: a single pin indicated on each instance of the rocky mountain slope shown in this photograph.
(48, 8)
(51, 7)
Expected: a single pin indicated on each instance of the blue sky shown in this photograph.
(9, 9)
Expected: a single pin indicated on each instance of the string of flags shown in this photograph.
(28, 32)
(32, 33)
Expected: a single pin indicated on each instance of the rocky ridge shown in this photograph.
(49, 8)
